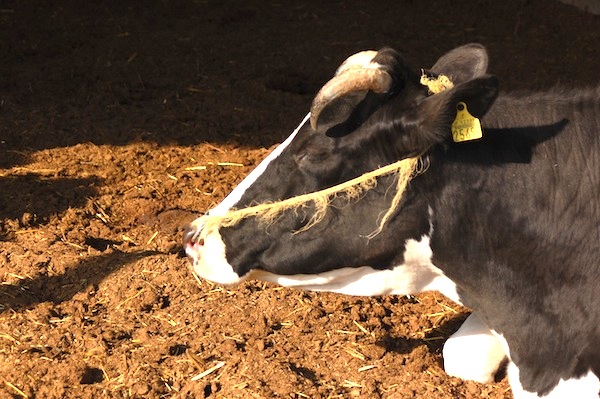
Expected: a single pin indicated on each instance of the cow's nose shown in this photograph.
(192, 242)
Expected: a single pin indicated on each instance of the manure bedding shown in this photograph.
(121, 122)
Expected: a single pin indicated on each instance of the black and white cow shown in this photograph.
(508, 225)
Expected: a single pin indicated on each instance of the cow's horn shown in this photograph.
(353, 75)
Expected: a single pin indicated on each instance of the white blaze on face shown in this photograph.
(209, 260)
(237, 193)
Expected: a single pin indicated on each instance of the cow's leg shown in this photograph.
(473, 352)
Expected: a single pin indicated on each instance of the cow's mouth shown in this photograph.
(207, 252)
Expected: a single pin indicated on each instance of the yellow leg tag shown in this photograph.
(465, 126)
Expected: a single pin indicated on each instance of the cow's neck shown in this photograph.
(513, 211)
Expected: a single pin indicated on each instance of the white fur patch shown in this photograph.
(210, 262)
(417, 274)
(473, 352)
(241, 188)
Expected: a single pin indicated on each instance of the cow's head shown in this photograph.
(374, 112)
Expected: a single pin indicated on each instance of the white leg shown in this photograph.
(473, 352)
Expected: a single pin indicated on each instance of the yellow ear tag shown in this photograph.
(465, 127)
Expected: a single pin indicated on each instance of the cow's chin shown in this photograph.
(360, 281)
(222, 276)
(415, 275)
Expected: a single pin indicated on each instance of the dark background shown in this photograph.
(189, 71)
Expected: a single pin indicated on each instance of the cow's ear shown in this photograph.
(431, 124)
(463, 63)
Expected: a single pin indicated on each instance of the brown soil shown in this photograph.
(122, 122)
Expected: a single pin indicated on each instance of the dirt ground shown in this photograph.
(121, 122)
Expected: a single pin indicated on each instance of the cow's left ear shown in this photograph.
(432, 121)
(462, 64)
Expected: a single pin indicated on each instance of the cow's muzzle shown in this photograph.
(207, 252)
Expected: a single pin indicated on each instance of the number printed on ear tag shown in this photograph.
(465, 126)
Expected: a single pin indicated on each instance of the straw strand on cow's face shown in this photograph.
(404, 170)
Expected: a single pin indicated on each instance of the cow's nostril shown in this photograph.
(191, 239)
(192, 244)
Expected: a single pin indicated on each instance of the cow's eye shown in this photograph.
(312, 156)
(319, 162)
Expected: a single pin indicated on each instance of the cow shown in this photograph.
(490, 198)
